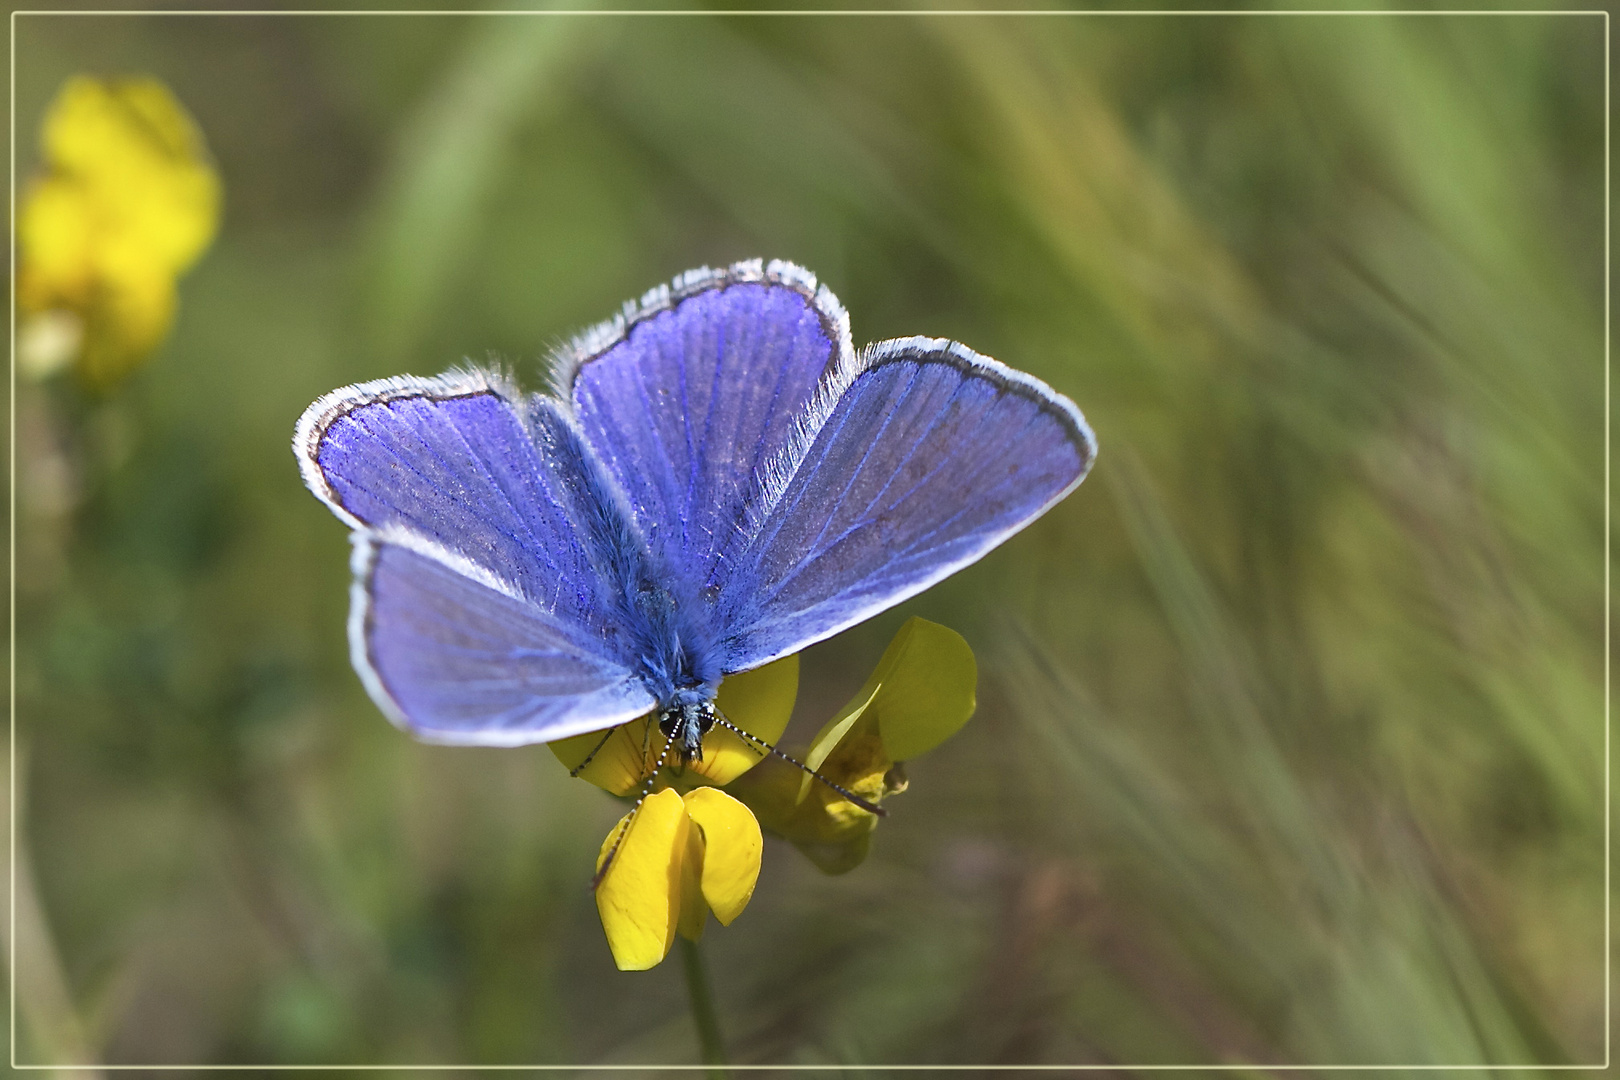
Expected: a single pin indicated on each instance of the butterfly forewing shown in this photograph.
(695, 395)
(453, 460)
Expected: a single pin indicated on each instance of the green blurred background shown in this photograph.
(1290, 743)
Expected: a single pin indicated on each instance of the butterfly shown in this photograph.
(717, 479)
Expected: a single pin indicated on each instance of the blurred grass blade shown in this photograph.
(1379, 973)
(449, 158)
(54, 1031)
(1223, 683)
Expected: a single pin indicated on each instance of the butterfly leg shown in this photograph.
(765, 747)
(577, 769)
(646, 747)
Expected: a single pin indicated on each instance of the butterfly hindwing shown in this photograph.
(929, 456)
(456, 655)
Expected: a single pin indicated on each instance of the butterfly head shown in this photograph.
(684, 720)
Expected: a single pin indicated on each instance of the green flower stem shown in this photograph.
(703, 1014)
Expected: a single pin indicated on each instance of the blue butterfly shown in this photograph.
(716, 480)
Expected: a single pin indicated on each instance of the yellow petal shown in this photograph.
(758, 701)
(56, 241)
(921, 692)
(838, 729)
(139, 308)
(140, 155)
(694, 908)
(639, 898)
(625, 757)
(731, 850)
(928, 688)
(167, 124)
(855, 722)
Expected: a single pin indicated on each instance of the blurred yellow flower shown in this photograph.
(685, 855)
(922, 691)
(128, 202)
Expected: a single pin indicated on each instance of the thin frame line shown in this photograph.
(828, 12)
(11, 526)
(1608, 560)
(798, 1067)
(839, 13)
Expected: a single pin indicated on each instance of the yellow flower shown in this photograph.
(680, 857)
(127, 203)
(921, 693)
(686, 856)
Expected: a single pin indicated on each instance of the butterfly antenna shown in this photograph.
(577, 769)
(630, 818)
(869, 807)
